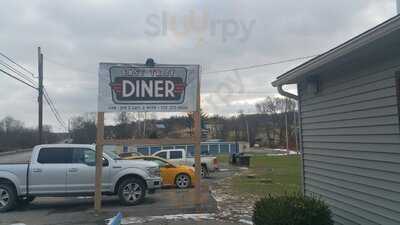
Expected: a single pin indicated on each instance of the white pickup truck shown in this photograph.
(179, 157)
(69, 170)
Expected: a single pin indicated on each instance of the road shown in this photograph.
(17, 157)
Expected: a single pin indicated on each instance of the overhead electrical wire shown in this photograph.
(211, 72)
(238, 93)
(206, 72)
(53, 108)
(18, 79)
(9, 67)
(260, 65)
(25, 79)
(68, 67)
(20, 66)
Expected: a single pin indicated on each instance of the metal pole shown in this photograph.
(286, 127)
(99, 160)
(40, 98)
(295, 129)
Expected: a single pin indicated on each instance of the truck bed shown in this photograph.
(17, 158)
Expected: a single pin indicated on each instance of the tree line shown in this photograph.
(267, 127)
(15, 135)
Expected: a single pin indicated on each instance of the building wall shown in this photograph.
(351, 144)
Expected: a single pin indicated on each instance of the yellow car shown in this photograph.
(172, 175)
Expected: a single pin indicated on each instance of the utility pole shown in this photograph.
(40, 98)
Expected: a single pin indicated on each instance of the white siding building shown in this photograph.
(349, 111)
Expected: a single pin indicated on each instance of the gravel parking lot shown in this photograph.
(79, 210)
(169, 206)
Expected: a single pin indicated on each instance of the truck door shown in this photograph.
(48, 174)
(81, 172)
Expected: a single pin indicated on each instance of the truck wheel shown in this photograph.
(131, 191)
(8, 197)
(183, 181)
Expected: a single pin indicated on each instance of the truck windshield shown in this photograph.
(112, 154)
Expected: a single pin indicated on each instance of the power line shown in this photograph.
(18, 79)
(238, 93)
(26, 70)
(8, 66)
(56, 113)
(260, 65)
(21, 77)
(68, 67)
(51, 104)
(209, 72)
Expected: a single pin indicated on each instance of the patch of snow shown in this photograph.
(196, 217)
(246, 221)
(284, 150)
(215, 196)
(84, 197)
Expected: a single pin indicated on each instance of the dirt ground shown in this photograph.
(231, 206)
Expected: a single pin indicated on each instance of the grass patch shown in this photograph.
(275, 175)
(223, 158)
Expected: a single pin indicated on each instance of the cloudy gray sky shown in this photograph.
(76, 35)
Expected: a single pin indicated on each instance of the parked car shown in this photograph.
(172, 175)
(69, 170)
(179, 157)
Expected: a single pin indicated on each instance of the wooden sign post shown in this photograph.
(99, 160)
(197, 146)
(148, 88)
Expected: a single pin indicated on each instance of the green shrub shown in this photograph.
(294, 209)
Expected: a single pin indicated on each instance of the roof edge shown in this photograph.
(339, 51)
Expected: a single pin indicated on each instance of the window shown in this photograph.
(175, 155)
(84, 156)
(112, 154)
(55, 155)
(162, 155)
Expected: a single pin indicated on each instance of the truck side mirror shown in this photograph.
(105, 162)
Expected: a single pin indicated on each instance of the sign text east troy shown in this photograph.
(135, 87)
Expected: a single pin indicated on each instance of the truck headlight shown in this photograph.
(154, 171)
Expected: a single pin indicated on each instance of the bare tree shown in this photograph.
(124, 128)
(277, 108)
(83, 129)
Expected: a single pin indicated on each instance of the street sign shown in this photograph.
(140, 88)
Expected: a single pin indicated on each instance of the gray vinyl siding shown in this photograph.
(351, 143)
